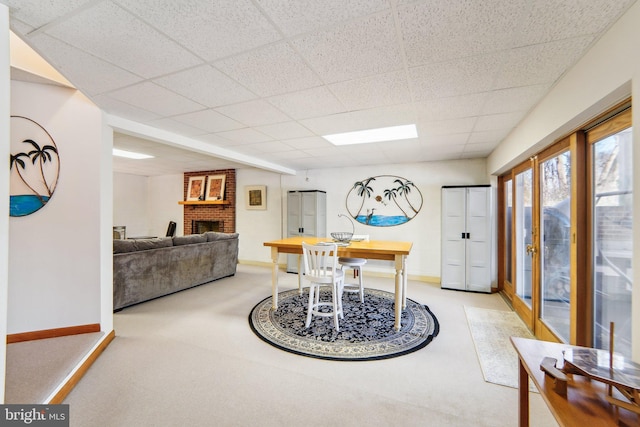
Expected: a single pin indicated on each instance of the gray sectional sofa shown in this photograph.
(145, 269)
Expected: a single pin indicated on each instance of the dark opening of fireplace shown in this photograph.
(199, 227)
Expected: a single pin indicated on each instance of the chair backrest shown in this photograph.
(320, 261)
(171, 230)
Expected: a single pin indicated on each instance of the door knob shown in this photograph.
(531, 250)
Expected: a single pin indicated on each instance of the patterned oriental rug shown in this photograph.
(366, 332)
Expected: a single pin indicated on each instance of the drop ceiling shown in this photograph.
(264, 79)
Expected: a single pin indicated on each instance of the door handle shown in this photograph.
(531, 250)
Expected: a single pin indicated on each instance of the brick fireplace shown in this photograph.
(208, 215)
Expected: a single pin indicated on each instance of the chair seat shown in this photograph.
(352, 261)
(355, 264)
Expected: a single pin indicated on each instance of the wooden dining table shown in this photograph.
(394, 251)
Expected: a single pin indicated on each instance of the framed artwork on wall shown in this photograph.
(215, 187)
(255, 197)
(195, 190)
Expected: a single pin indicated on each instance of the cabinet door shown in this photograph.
(294, 214)
(479, 239)
(453, 242)
(309, 212)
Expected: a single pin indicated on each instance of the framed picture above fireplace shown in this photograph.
(215, 187)
(195, 190)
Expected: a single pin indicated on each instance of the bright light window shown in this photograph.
(392, 133)
(130, 154)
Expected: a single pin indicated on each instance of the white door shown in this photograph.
(453, 239)
(478, 257)
(309, 214)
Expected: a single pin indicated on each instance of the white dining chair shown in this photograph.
(354, 264)
(321, 270)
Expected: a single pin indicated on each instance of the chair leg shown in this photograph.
(310, 305)
(361, 285)
(334, 293)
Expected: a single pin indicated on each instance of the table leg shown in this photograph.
(399, 292)
(274, 278)
(523, 395)
(299, 275)
(405, 277)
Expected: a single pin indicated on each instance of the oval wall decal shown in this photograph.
(34, 166)
(384, 201)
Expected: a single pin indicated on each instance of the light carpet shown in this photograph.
(491, 330)
(366, 332)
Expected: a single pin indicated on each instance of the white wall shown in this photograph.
(256, 227)
(164, 194)
(607, 74)
(55, 253)
(145, 205)
(4, 188)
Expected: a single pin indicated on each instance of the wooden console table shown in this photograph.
(585, 403)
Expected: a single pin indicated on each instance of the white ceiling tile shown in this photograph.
(285, 130)
(36, 14)
(301, 16)
(550, 20)
(122, 109)
(207, 86)
(365, 119)
(177, 127)
(514, 99)
(451, 107)
(132, 44)
(480, 147)
(268, 147)
(538, 64)
(254, 113)
(357, 49)
(256, 70)
(498, 121)
(441, 30)
(308, 143)
(458, 77)
(244, 136)
(444, 127)
(373, 91)
(83, 69)
(209, 120)
(494, 136)
(211, 29)
(151, 97)
(315, 102)
(444, 140)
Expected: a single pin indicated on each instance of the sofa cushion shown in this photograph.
(123, 246)
(189, 239)
(212, 236)
(155, 243)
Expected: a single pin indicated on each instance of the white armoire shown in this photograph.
(466, 238)
(306, 216)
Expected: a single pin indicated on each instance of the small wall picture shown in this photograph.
(215, 187)
(255, 197)
(195, 190)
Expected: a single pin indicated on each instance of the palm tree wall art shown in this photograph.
(384, 201)
(34, 165)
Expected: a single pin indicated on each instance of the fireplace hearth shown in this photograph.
(199, 226)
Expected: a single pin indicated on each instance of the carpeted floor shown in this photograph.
(491, 330)
(366, 331)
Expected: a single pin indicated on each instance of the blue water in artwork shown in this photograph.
(25, 204)
(382, 220)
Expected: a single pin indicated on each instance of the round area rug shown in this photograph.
(366, 332)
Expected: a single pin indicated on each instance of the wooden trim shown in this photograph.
(610, 127)
(204, 202)
(53, 333)
(66, 388)
(580, 309)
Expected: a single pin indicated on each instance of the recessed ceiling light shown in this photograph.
(392, 133)
(130, 154)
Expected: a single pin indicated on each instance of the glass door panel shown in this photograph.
(612, 198)
(555, 249)
(508, 255)
(523, 235)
